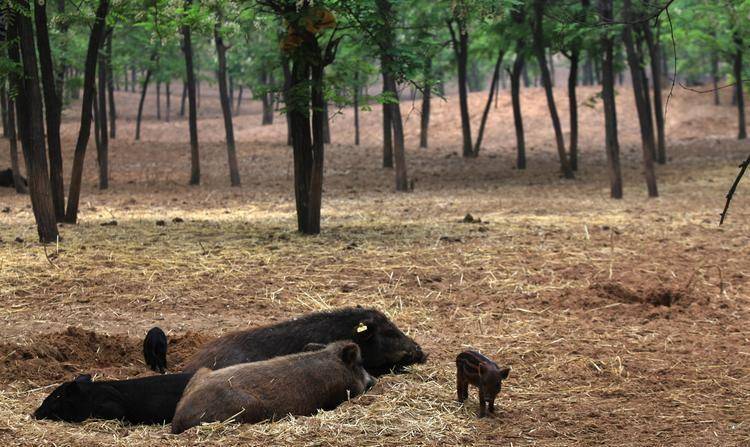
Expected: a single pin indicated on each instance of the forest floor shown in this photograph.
(625, 322)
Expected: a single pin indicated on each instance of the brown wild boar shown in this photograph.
(297, 384)
(475, 369)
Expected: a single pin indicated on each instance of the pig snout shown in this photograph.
(370, 381)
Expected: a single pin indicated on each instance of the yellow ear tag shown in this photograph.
(361, 328)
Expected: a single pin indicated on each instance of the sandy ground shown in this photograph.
(562, 283)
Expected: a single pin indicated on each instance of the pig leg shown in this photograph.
(482, 403)
(491, 405)
(462, 385)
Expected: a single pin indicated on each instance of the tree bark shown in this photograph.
(287, 86)
(461, 51)
(573, 107)
(95, 39)
(493, 85)
(742, 132)
(239, 100)
(158, 100)
(715, 77)
(636, 71)
(29, 109)
(387, 124)
(103, 148)
(515, 93)
(111, 88)
(187, 49)
(226, 107)
(168, 102)
(184, 97)
(547, 83)
(52, 109)
(610, 110)
(424, 125)
(355, 101)
(654, 50)
(13, 144)
(4, 108)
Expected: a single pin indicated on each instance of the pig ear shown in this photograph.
(364, 330)
(350, 354)
(504, 373)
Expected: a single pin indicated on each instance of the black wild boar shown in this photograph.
(384, 347)
(147, 400)
(6, 179)
(475, 369)
(155, 350)
(298, 384)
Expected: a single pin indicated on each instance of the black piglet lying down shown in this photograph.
(147, 400)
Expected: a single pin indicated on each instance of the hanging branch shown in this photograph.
(730, 194)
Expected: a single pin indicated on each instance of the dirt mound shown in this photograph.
(657, 296)
(181, 347)
(56, 356)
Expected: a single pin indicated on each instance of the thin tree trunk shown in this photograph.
(387, 125)
(636, 71)
(52, 109)
(742, 133)
(515, 93)
(493, 85)
(355, 101)
(231, 93)
(144, 90)
(610, 109)
(133, 80)
(551, 59)
(158, 100)
(547, 84)
(424, 125)
(103, 149)
(187, 49)
(461, 50)
(4, 107)
(29, 108)
(168, 104)
(111, 89)
(287, 86)
(715, 76)
(97, 34)
(573, 107)
(654, 50)
(182, 100)
(226, 107)
(15, 166)
(62, 67)
(239, 100)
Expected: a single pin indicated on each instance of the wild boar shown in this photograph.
(475, 369)
(6, 179)
(155, 350)
(147, 400)
(384, 347)
(297, 384)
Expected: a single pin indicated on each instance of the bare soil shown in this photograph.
(624, 322)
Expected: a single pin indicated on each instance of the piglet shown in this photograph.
(475, 369)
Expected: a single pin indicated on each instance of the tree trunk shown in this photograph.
(588, 70)
(133, 80)
(547, 84)
(13, 143)
(573, 107)
(654, 50)
(158, 100)
(187, 49)
(144, 90)
(636, 71)
(355, 104)
(493, 85)
(63, 48)
(168, 104)
(287, 86)
(551, 59)
(742, 133)
(111, 88)
(182, 100)
(231, 92)
(610, 110)
(226, 107)
(97, 34)
(461, 50)
(326, 124)
(239, 100)
(715, 76)
(4, 107)
(52, 109)
(424, 125)
(515, 93)
(387, 124)
(29, 108)
(103, 149)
